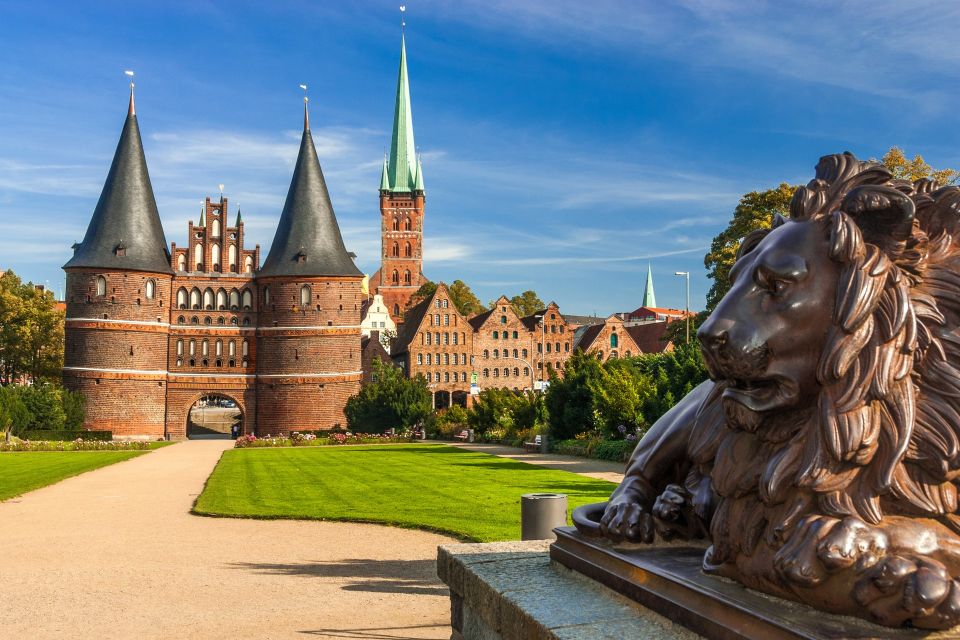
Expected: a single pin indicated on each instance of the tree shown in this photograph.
(464, 299)
(426, 290)
(570, 400)
(31, 332)
(917, 169)
(392, 402)
(527, 303)
(755, 211)
(13, 413)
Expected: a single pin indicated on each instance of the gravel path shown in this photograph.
(602, 469)
(116, 554)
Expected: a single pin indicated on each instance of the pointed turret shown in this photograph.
(125, 231)
(649, 298)
(239, 217)
(384, 178)
(418, 183)
(403, 162)
(203, 216)
(308, 240)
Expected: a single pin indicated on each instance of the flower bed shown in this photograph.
(297, 439)
(615, 450)
(75, 445)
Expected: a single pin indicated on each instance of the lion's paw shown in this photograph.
(851, 542)
(898, 590)
(627, 520)
(674, 516)
(798, 561)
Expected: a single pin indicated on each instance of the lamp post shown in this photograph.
(543, 332)
(686, 274)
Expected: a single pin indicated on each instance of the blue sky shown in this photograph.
(564, 143)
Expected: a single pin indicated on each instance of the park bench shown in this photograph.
(533, 447)
(463, 435)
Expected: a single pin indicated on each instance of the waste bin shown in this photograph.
(540, 514)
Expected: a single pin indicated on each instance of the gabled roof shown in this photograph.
(588, 336)
(412, 320)
(649, 336)
(477, 321)
(308, 241)
(125, 231)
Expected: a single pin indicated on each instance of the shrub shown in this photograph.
(392, 402)
(64, 435)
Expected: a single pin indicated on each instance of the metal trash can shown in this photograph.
(540, 513)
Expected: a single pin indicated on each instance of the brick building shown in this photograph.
(150, 331)
(503, 346)
(402, 201)
(616, 338)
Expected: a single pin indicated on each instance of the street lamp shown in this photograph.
(543, 333)
(686, 274)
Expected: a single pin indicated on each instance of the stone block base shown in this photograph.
(512, 590)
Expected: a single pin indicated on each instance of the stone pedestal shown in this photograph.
(511, 590)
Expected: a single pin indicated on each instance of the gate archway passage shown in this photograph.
(214, 416)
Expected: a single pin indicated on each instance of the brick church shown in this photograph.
(152, 329)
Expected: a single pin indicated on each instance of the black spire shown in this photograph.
(308, 240)
(125, 231)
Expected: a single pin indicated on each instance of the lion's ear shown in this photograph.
(884, 215)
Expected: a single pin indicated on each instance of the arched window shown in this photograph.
(219, 350)
(101, 286)
(486, 373)
(406, 277)
(496, 373)
(182, 298)
(408, 250)
(232, 257)
(526, 371)
(614, 354)
(221, 299)
(181, 320)
(266, 296)
(407, 225)
(516, 372)
(515, 335)
(195, 298)
(208, 298)
(613, 341)
(396, 250)
(496, 334)
(486, 353)
(198, 256)
(396, 309)
(215, 228)
(194, 320)
(247, 299)
(305, 295)
(179, 347)
(429, 338)
(248, 264)
(496, 353)
(234, 299)
(193, 347)
(503, 319)
(395, 277)
(524, 353)
(215, 256)
(506, 372)
(232, 348)
(246, 348)
(182, 262)
(150, 289)
(514, 353)
(396, 224)
(204, 348)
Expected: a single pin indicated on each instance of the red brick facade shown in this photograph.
(143, 360)
(401, 267)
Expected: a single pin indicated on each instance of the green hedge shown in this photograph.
(65, 436)
(615, 450)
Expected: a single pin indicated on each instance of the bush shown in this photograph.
(450, 422)
(66, 436)
(392, 402)
(76, 445)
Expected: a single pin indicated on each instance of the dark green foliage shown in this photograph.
(74, 404)
(506, 416)
(621, 397)
(613, 450)
(66, 435)
(392, 402)
(44, 404)
(13, 412)
(527, 303)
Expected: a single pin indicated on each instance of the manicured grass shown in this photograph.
(472, 495)
(24, 471)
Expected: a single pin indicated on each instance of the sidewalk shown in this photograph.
(601, 469)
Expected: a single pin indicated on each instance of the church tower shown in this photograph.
(402, 199)
(308, 335)
(118, 300)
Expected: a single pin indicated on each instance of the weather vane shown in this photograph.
(403, 10)
(305, 98)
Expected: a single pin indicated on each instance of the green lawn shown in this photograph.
(24, 471)
(472, 495)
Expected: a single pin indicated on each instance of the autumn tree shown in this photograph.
(464, 299)
(31, 332)
(917, 168)
(527, 303)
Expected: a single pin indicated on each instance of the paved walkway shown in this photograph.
(602, 469)
(115, 554)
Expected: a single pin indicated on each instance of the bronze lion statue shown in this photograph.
(822, 459)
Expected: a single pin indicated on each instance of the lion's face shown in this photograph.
(766, 336)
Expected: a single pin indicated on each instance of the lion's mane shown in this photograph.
(884, 436)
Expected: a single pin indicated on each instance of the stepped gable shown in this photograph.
(308, 241)
(411, 324)
(125, 232)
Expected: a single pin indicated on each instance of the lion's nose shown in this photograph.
(712, 337)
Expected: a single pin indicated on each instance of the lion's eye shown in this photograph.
(778, 286)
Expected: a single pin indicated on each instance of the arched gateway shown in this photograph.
(214, 415)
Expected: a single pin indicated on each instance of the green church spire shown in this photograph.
(402, 161)
(418, 183)
(649, 298)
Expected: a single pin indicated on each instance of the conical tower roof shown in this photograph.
(649, 298)
(125, 232)
(308, 241)
(402, 164)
